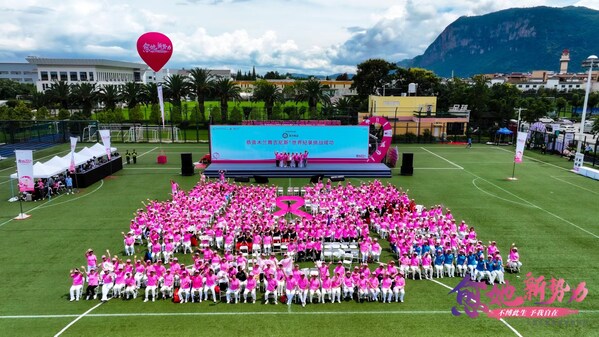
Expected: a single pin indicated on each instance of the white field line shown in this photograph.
(78, 318)
(567, 182)
(248, 313)
(429, 168)
(496, 196)
(536, 206)
(447, 160)
(46, 204)
(501, 319)
(534, 159)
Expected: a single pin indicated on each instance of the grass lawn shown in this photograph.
(549, 212)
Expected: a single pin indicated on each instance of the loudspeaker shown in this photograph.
(337, 178)
(407, 164)
(316, 178)
(261, 180)
(186, 164)
(242, 179)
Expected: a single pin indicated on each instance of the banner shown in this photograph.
(105, 134)
(73, 145)
(161, 100)
(25, 169)
(520, 144)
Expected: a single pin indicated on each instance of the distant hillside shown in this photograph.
(513, 40)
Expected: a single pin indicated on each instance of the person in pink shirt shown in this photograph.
(314, 288)
(290, 289)
(336, 283)
(107, 281)
(233, 289)
(250, 288)
(427, 266)
(363, 291)
(93, 279)
(513, 261)
(375, 250)
(210, 285)
(327, 288)
(271, 288)
(130, 286)
(386, 283)
(399, 287)
(168, 281)
(197, 286)
(185, 286)
(77, 284)
(415, 266)
(348, 286)
(373, 287)
(364, 250)
(303, 285)
(119, 282)
(129, 241)
(92, 260)
(151, 286)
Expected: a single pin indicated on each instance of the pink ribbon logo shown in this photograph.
(291, 204)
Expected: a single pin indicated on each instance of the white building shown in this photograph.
(73, 71)
(18, 72)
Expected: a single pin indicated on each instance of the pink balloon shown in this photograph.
(155, 49)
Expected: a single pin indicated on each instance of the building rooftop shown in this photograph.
(84, 62)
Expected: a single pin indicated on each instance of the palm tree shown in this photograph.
(150, 93)
(267, 92)
(226, 90)
(312, 92)
(110, 95)
(201, 84)
(59, 92)
(85, 94)
(131, 93)
(176, 87)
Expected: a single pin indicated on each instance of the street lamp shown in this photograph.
(589, 61)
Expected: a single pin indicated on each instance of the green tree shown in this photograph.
(268, 93)
(255, 114)
(155, 115)
(135, 114)
(60, 92)
(110, 95)
(175, 114)
(132, 94)
(149, 93)
(176, 87)
(277, 112)
(427, 82)
(85, 96)
(560, 104)
(226, 90)
(42, 113)
(236, 116)
(215, 115)
(311, 91)
(63, 114)
(201, 84)
(22, 112)
(371, 75)
(197, 117)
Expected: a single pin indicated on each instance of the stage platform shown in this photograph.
(349, 170)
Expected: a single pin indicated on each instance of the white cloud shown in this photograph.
(294, 35)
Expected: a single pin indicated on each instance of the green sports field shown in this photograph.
(549, 212)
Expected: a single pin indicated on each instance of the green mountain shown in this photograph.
(513, 40)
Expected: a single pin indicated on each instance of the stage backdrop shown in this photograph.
(259, 143)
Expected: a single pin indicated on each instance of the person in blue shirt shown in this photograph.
(417, 249)
(482, 269)
(425, 248)
(439, 261)
(461, 263)
(69, 184)
(471, 262)
(497, 273)
(449, 267)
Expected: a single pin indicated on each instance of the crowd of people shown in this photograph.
(291, 159)
(239, 247)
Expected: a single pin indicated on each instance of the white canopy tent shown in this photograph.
(41, 170)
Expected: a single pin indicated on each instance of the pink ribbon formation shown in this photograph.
(291, 204)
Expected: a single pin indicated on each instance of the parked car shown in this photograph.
(564, 121)
(567, 128)
(588, 126)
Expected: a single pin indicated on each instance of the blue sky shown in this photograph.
(307, 36)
